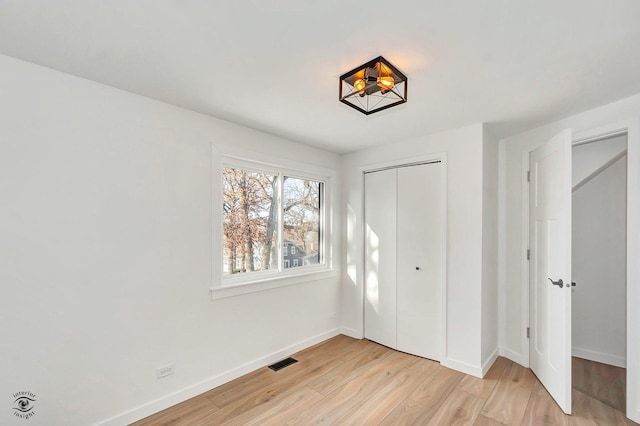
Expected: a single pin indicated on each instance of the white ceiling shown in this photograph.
(274, 65)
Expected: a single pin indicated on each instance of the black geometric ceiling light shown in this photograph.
(374, 86)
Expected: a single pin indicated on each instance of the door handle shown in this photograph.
(559, 283)
(573, 284)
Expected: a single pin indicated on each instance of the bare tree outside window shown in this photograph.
(301, 217)
(248, 220)
(251, 216)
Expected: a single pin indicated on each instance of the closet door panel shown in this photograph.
(380, 257)
(420, 256)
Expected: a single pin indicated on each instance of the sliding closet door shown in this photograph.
(420, 259)
(380, 257)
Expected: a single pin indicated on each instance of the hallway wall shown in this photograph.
(599, 266)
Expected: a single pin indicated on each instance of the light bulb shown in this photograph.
(385, 83)
(359, 85)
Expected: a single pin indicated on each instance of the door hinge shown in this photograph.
(528, 254)
(528, 176)
(528, 332)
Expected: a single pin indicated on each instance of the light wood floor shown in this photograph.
(603, 382)
(344, 381)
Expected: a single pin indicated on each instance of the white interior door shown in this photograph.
(380, 257)
(550, 267)
(419, 269)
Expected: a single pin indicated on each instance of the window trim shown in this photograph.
(231, 285)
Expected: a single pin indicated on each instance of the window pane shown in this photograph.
(249, 221)
(301, 219)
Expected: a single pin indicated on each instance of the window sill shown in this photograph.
(270, 283)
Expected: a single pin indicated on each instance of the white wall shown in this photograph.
(106, 253)
(599, 263)
(513, 237)
(464, 156)
(489, 251)
(588, 158)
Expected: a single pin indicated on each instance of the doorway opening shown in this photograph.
(599, 270)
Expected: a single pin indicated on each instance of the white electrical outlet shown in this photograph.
(165, 371)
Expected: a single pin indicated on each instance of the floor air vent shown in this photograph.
(282, 364)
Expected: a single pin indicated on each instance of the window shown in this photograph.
(264, 213)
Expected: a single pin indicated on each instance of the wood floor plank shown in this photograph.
(391, 362)
(181, 413)
(482, 388)
(408, 413)
(279, 411)
(436, 387)
(357, 388)
(540, 390)
(383, 400)
(486, 421)
(345, 369)
(332, 347)
(282, 383)
(424, 365)
(590, 411)
(306, 368)
(238, 388)
(542, 410)
(606, 383)
(508, 401)
(260, 397)
(355, 349)
(460, 408)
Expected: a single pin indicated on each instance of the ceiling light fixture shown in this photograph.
(373, 86)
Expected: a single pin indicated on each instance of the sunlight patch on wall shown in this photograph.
(352, 267)
(373, 241)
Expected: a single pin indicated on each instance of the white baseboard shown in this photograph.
(513, 356)
(489, 362)
(212, 382)
(463, 367)
(351, 332)
(609, 359)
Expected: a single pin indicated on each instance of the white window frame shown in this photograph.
(295, 263)
(232, 285)
(293, 249)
